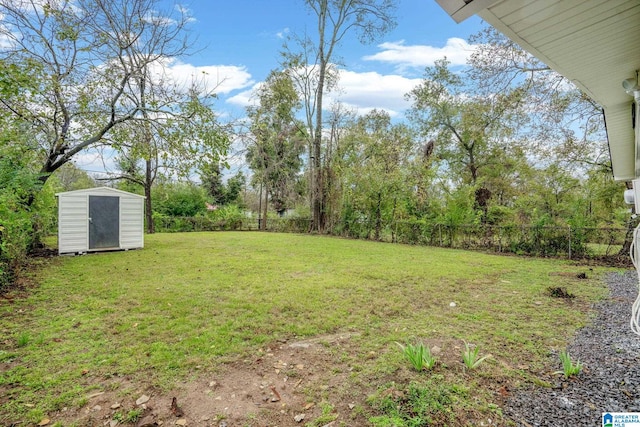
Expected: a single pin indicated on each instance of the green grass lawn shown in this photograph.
(203, 299)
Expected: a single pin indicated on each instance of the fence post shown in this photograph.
(569, 242)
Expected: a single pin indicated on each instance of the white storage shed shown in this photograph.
(99, 219)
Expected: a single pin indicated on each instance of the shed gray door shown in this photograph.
(104, 222)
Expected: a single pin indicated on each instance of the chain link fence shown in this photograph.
(186, 224)
(569, 242)
(564, 242)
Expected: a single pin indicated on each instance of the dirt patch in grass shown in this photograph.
(282, 383)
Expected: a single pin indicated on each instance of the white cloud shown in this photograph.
(6, 37)
(185, 13)
(282, 34)
(242, 99)
(181, 12)
(246, 97)
(361, 92)
(154, 18)
(220, 79)
(456, 50)
(371, 90)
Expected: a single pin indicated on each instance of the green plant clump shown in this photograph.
(133, 415)
(470, 356)
(419, 356)
(569, 368)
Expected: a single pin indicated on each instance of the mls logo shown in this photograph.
(607, 420)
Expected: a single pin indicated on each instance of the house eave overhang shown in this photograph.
(593, 43)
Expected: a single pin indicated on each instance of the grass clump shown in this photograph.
(133, 415)
(471, 356)
(418, 355)
(569, 368)
(23, 339)
(430, 402)
(118, 416)
(328, 415)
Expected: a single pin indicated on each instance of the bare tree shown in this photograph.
(175, 143)
(91, 59)
(558, 110)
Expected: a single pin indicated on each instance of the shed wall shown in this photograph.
(131, 222)
(73, 233)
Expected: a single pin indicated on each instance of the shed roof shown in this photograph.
(99, 190)
(594, 43)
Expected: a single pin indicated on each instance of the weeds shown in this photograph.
(133, 415)
(569, 368)
(328, 415)
(428, 403)
(419, 356)
(470, 356)
(23, 339)
(559, 292)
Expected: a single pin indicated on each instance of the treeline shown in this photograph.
(501, 144)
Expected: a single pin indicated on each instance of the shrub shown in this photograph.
(228, 217)
(27, 211)
(179, 200)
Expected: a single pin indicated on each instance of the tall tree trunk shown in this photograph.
(148, 181)
(312, 186)
(265, 205)
(393, 220)
(317, 189)
(378, 217)
(260, 208)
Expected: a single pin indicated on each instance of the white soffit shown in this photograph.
(594, 43)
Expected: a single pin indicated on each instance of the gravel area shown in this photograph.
(610, 381)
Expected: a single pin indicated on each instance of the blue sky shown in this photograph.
(239, 43)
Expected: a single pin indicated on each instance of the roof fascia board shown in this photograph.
(459, 10)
